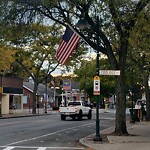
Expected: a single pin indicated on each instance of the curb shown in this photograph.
(19, 116)
(105, 131)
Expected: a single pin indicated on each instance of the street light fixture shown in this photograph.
(82, 24)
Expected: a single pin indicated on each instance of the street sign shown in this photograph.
(67, 85)
(96, 85)
(110, 72)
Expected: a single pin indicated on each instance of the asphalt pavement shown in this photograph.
(138, 138)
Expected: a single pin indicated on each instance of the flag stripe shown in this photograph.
(70, 52)
(66, 53)
(61, 47)
(67, 46)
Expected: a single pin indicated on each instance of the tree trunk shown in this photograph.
(34, 98)
(147, 97)
(120, 124)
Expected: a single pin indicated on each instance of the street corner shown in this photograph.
(89, 140)
(95, 145)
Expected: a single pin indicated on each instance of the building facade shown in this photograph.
(11, 91)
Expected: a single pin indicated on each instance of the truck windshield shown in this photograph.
(74, 104)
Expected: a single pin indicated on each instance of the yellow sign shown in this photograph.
(96, 85)
(96, 78)
(1, 90)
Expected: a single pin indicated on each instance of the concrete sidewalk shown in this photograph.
(138, 138)
(28, 113)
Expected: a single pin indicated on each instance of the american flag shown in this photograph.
(68, 44)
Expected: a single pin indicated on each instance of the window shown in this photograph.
(74, 104)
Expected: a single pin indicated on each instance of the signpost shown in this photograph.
(67, 85)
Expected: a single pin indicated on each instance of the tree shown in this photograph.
(6, 55)
(36, 45)
(39, 59)
(117, 19)
(139, 41)
(85, 73)
(35, 52)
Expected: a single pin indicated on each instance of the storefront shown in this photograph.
(11, 95)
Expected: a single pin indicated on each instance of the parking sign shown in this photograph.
(96, 85)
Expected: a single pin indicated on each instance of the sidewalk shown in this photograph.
(138, 139)
(27, 113)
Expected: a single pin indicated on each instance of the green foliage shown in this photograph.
(85, 74)
(138, 63)
(40, 50)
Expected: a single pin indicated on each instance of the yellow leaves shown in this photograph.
(6, 57)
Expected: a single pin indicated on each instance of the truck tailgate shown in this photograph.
(67, 109)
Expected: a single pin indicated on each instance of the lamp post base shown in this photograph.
(97, 138)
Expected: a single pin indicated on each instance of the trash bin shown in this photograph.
(134, 115)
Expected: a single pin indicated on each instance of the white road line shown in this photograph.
(68, 148)
(41, 148)
(9, 148)
(45, 135)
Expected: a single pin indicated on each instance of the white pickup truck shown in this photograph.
(75, 110)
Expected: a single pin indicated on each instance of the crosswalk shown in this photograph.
(39, 148)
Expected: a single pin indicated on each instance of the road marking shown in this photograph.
(19, 122)
(12, 123)
(41, 148)
(9, 148)
(45, 135)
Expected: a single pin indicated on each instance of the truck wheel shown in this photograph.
(89, 116)
(80, 115)
(63, 117)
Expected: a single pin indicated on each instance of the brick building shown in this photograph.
(11, 91)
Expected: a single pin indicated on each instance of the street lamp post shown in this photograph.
(83, 24)
(46, 94)
(1, 96)
(132, 116)
(131, 94)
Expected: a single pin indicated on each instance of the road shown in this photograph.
(48, 132)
